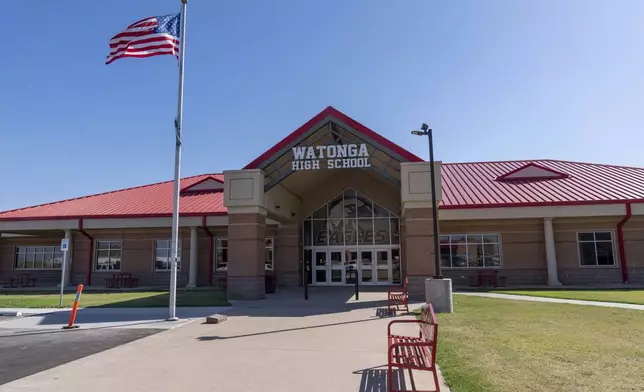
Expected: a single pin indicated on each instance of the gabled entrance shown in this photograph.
(329, 142)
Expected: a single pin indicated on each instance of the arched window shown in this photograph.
(351, 218)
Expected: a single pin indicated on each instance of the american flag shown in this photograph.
(148, 37)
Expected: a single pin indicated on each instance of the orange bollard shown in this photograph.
(72, 317)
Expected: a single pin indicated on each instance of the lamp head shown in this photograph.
(424, 127)
(418, 133)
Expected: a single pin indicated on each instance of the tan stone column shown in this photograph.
(288, 254)
(192, 274)
(418, 238)
(244, 198)
(246, 274)
(418, 231)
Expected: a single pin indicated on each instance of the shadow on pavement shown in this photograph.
(322, 300)
(375, 379)
(215, 337)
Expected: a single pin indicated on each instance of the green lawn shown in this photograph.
(497, 345)
(134, 299)
(625, 296)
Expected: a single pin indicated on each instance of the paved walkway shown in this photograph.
(556, 300)
(329, 343)
(54, 319)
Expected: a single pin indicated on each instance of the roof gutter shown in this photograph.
(91, 252)
(620, 242)
(210, 248)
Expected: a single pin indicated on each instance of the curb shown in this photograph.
(11, 314)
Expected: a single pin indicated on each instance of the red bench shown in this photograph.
(411, 352)
(398, 296)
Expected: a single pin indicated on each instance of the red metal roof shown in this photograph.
(144, 201)
(475, 185)
(465, 185)
(332, 112)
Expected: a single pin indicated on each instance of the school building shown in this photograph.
(336, 195)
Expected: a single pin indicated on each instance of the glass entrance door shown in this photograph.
(320, 267)
(329, 267)
(375, 266)
(336, 267)
(382, 266)
(351, 261)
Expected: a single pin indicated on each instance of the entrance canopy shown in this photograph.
(328, 142)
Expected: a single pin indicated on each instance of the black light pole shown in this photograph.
(427, 131)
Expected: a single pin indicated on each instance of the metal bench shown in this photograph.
(398, 296)
(411, 352)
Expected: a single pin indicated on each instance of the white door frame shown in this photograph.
(337, 267)
(343, 251)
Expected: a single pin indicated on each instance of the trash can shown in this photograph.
(270, 284)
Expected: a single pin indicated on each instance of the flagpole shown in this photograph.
(177, 165)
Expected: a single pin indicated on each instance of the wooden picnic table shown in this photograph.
(487, 276)
(120, 280)
(20, 280)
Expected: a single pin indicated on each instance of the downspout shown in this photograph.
(91, 251)
(620, 242)
(210, 249)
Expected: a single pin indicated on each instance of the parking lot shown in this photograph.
(27, 351)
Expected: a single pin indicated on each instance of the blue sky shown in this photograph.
(496, 79)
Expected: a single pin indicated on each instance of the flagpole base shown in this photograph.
(172, 319)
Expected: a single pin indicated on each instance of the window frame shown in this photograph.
(616, 260)
(14, 265)
(499, 243)
(95, 261)
(272, 247)
(154, 255)
(217, 246)
(356, 219)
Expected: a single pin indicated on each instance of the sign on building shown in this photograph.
(334, 156)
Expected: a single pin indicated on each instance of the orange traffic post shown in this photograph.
(72, 317)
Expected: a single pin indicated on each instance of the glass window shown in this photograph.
(470, 250)
(162, 254)
(269, 254)
(221, 254)
(596, 248)
(307, 233)
(381, 231)
(365, 231)
(350, 231)
(395, 266)
(446, 251)
(319, 232)
(108, 256)
(364, 223)
(37, 257)
(395, 231)
(336, 234)
(365, 207)
(350, 206)
(336, 208)
(321, 213)
(380, 212)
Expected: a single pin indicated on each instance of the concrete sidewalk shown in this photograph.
(280, 344)
(555, 300)
(88, 318)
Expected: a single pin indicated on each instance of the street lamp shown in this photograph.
(425, 130)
